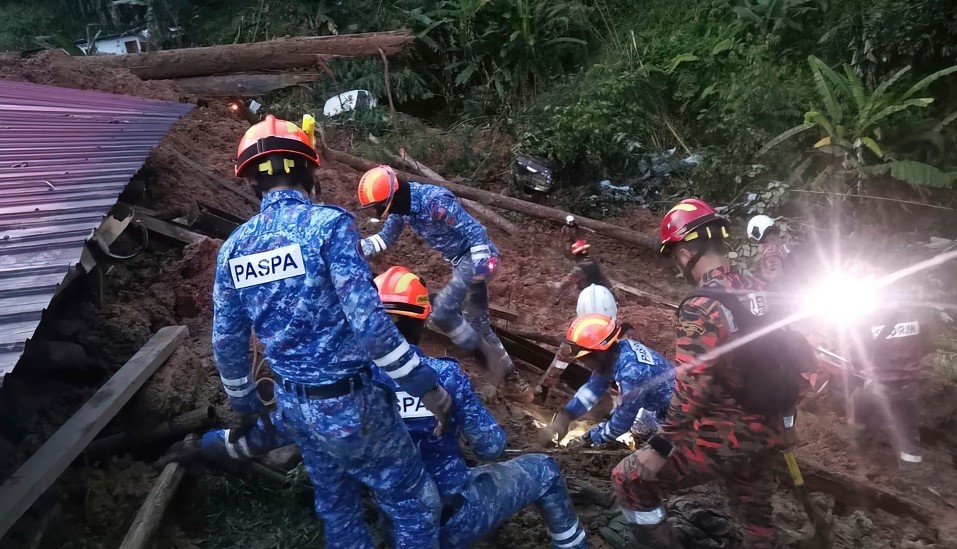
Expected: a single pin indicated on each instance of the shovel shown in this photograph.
(823, 529)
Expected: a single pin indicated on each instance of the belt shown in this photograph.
(344, 386)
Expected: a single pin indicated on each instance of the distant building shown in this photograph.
(117, 44)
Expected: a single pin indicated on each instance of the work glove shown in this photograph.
(584, 441)
(368, 248)
(241, 424)
(556, 430)
(439, 402)
(483, 267)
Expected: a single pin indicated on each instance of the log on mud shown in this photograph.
(481, 211)
(856, 492)
(150, 515)
(506, 202)
(279, 55)
(242, 85)
(194, 421)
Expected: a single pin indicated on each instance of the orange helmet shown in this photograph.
(377, 188)
(272, 136)
(580, 247)
(403, 293)
(588, 333)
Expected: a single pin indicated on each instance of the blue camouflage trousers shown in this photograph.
(460, 309)
(499, 490)
(360, 440)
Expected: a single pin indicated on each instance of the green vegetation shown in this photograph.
(598, 85)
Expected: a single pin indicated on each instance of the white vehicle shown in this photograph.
(349, 101)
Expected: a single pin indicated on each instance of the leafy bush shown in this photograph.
(601, 119)
(854, 120)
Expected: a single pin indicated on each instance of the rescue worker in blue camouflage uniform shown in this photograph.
(436, 216)
(295, 274)
(475, 500)
(645, 380)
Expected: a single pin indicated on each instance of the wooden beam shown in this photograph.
(540, 357)
(506, 202)
(859, 492)
(481, 211)
(150, 515)
(167, 229)
(33, 478)
(643, 294)
(502, 312)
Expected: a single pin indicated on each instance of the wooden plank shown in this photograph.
(33, 478)
(643, 294)
(150, 515)
(168, 229)
(502, 312)
(540, 357)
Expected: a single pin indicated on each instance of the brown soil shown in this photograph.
(172, 285)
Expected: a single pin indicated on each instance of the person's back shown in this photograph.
(705, 324)
(295, 276)
(708, 435)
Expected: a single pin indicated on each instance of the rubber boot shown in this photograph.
(494, 359)
(656, 536)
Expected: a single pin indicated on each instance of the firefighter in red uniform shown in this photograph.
(708, 435)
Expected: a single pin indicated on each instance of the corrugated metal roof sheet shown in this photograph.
(65, 157)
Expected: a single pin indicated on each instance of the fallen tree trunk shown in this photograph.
(506, 202)
(282, 54)
(643, 294)
(481, 211)
(191, 422)
(242, 85)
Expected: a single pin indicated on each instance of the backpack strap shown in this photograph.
(727, 299)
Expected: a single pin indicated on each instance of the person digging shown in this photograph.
(644, 379)
(461, 308)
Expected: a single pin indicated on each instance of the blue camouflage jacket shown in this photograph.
(295, 273)
(441, 455)
(645, 379)
(437, 217)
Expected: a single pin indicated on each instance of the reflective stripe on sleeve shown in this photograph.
(568, 537)
(405, 369)
(238, 382)
(378, 243)
(587, 397)
(647, 518)
(395, 355)
(239, 393)
(480, 252)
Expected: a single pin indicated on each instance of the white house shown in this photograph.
(117, 44)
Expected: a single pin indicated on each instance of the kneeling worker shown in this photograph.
(645, 379)
(475, 500)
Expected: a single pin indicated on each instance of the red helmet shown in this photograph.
(580, 247)
(274, 136)
(681, 222)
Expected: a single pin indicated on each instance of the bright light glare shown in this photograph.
(842, 297)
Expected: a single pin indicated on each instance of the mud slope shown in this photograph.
(171, 285)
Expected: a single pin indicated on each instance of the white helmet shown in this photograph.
(758, 225)
(597, 299)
